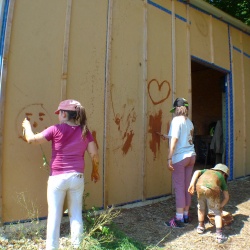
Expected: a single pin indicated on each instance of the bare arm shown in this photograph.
(92, 150)
(30, 136)
(195, 177)
(173, 142)
(225, 200)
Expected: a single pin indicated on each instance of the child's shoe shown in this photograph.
(220, 238)
(200, 229)
(186, 219)
(174, 223)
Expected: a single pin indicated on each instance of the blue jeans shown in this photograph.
(71, 184)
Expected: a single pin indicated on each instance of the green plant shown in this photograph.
(45, 161)
(97, 231)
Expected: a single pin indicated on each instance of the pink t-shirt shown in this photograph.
(68, 148)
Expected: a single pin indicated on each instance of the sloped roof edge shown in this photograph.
(219, 14)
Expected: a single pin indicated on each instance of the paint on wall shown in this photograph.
(124, 121)
(38, 117)
(128, 142)
(155, 124)
(158, 92)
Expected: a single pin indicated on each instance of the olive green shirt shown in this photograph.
(212, 179)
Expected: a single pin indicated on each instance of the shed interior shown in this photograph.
(208, 113)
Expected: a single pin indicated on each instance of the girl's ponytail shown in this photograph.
(82, 119)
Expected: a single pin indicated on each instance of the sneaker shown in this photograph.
(174, 223)
(187, 219)
(220, 238)
(200, 229)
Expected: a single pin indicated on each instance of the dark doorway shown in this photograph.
(208, 102)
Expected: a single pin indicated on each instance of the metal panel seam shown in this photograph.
(145, 47)
(66, 51)
(231, 114)
(9, 12)
(106, 91)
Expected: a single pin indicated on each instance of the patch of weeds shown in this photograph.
(102, 233)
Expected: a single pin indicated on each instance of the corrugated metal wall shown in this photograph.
(125, 61)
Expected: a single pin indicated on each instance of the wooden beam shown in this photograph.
(66, 52)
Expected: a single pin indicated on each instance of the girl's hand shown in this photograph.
(191, 189)
(26, 124)
(163, 137)
(95, 166)
(95, 176)
(170, 166)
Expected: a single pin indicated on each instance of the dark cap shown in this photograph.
(179, 102)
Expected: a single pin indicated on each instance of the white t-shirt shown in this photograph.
(182, 129)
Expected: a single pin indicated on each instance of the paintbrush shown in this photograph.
(163, 136)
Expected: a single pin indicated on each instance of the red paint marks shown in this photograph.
(41, 116)
(28, 116)
(118, 121)
(127, 144)
(155, 123)
(118, 118)
(125, 121)
(36, 114)
(94, 135)
(158, 97)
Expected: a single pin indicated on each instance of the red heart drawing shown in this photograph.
(154, 81)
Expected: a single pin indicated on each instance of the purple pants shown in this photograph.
(181, 177)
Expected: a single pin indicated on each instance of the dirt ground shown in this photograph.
(146, 223)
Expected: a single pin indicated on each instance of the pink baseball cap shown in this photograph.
(70, 105)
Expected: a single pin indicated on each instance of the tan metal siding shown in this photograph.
(157, 178)
(124, 158)
(86, 77)
(220, 37)
(33, 87)
(200, 35)
(125, 61)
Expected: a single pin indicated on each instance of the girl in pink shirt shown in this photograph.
(70, 139)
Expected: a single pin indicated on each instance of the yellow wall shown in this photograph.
(200, 34)
(86, 76)
(127, 61)
(33, 87)
(240, 66)
(209, 39)
(124, 135)
(159, 99)
(182, 55)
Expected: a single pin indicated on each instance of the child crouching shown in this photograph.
(210, 182)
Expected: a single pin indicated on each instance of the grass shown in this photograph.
(100, 233)
(103, 234)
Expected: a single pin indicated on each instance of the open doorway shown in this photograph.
(208, 114)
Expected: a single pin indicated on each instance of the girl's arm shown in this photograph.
(173, 142)
(92, 150)
(30, 136)
(195, 177)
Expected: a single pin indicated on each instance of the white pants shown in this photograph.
(71, 184)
